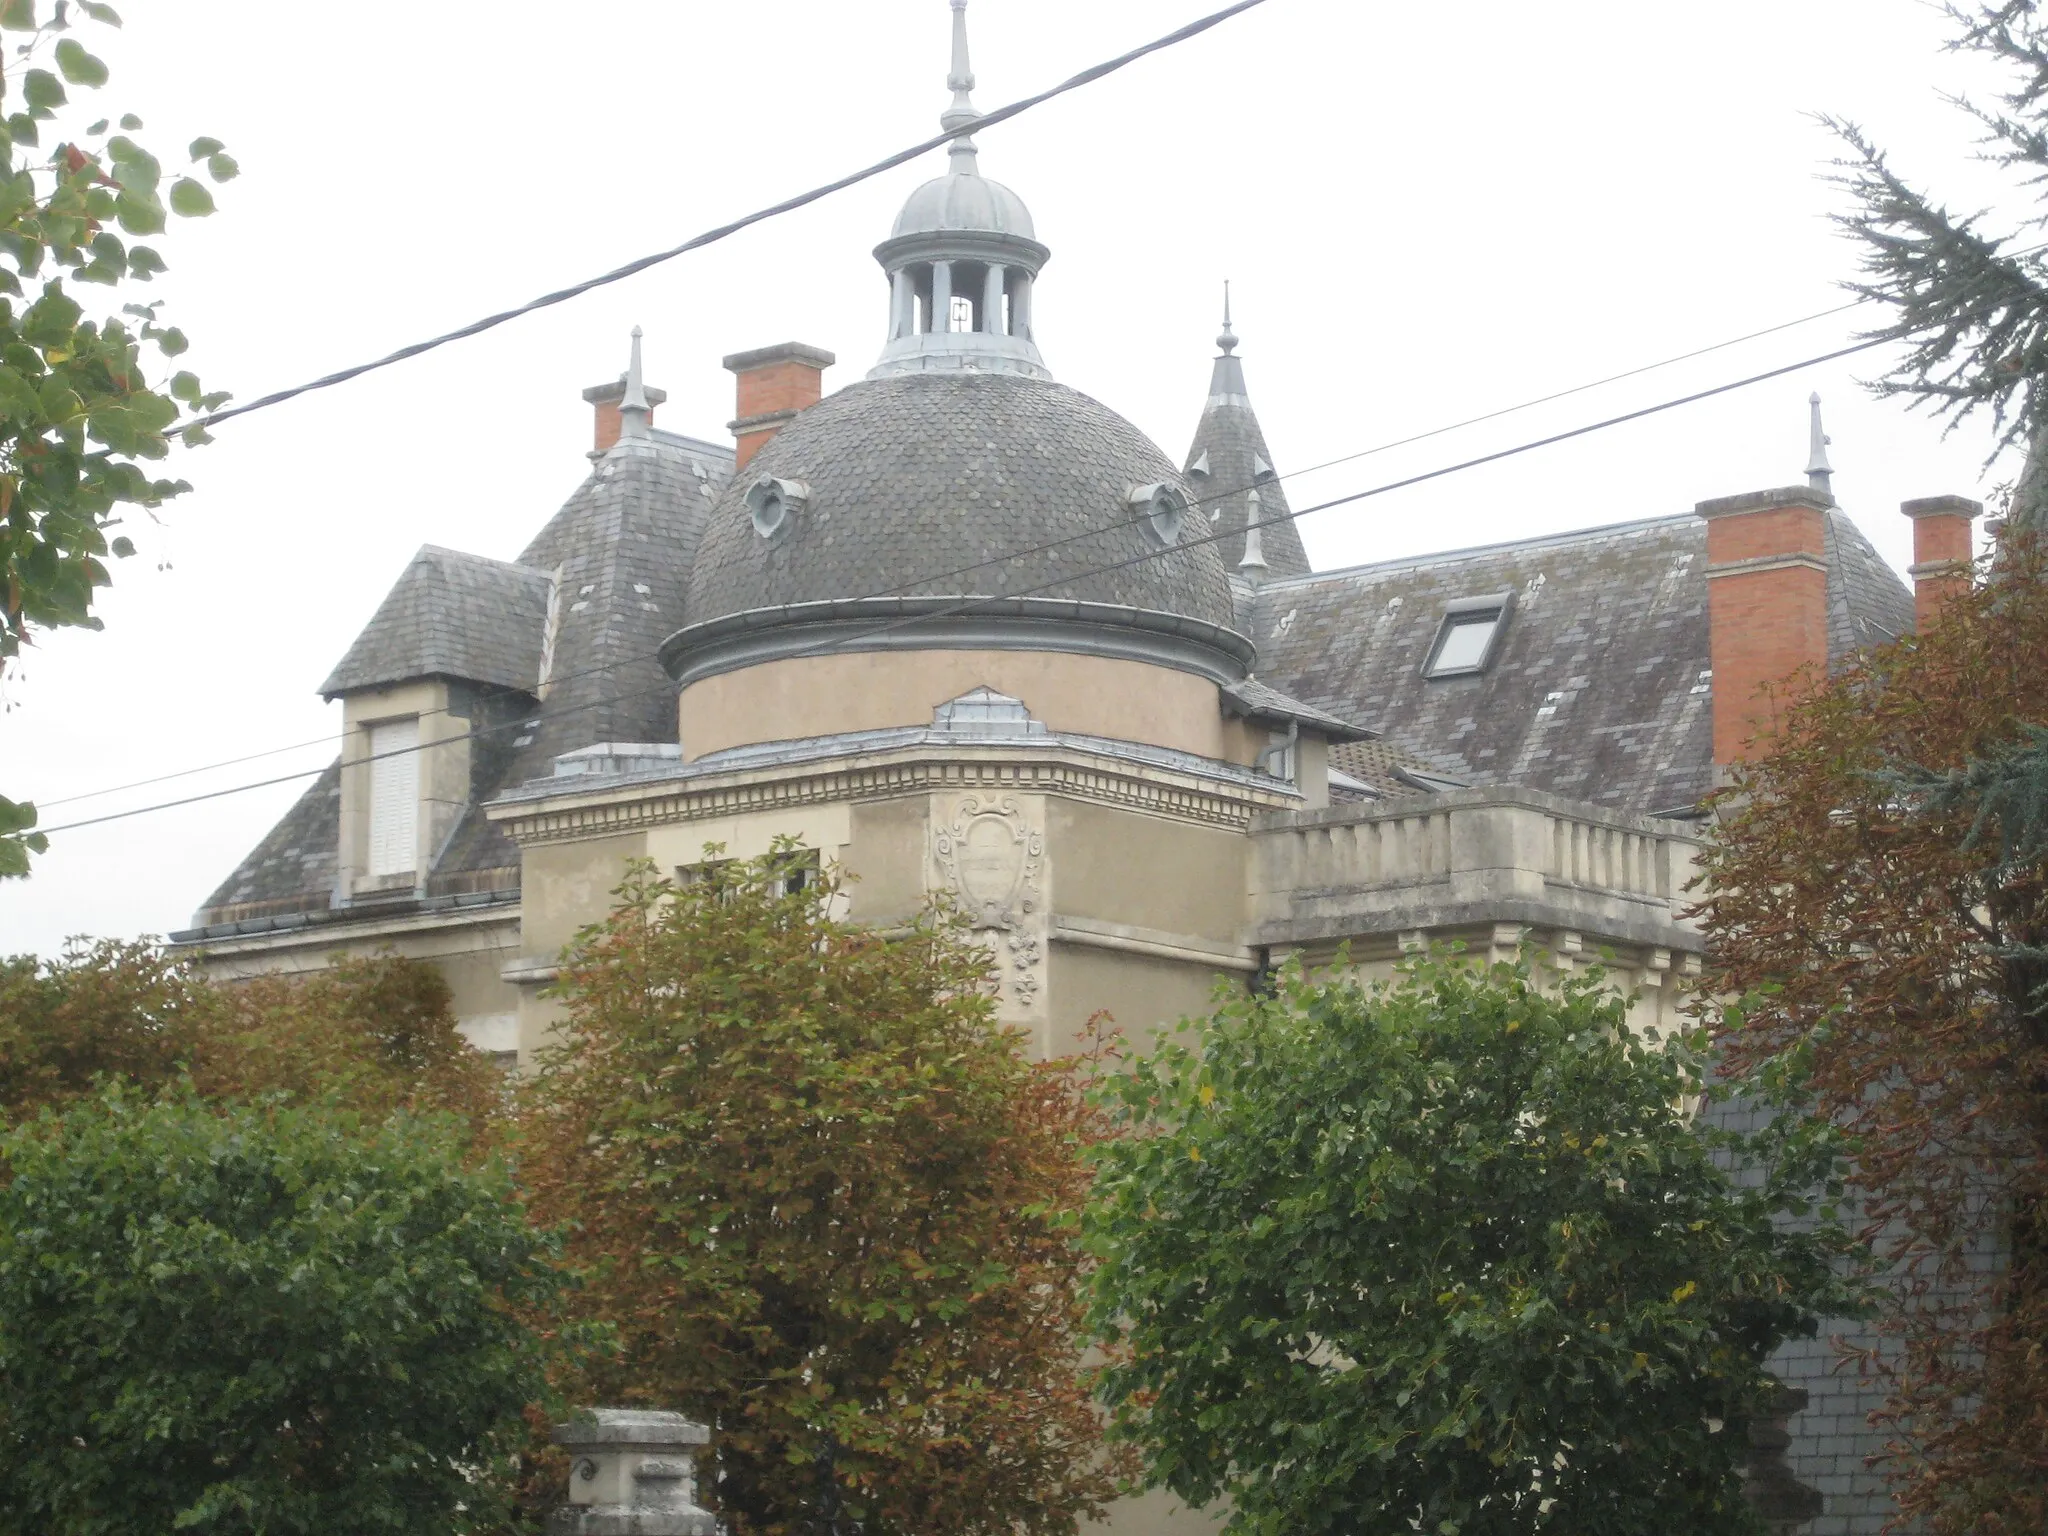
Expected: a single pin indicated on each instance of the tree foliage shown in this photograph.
(827, 1204)
(370, 1034)
(1880, 883)
(257, 1319)
(80, 419)
(1969, 300)
(1447, 1255)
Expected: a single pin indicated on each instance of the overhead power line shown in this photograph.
(968, 604)
(712, 236)
(1051, 544)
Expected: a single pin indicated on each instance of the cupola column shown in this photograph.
(902, 304)
(992, 300)
(1020, 307)
(942, 297)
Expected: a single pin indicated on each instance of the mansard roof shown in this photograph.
(450, 614)
(1599, 686)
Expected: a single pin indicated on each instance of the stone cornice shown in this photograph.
(587, 811)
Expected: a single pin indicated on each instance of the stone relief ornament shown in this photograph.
(991, 858)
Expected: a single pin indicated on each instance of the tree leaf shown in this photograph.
(222, 167)
(202, 147)
(43, 92)
(190, 199)
(18, 15)
(103, 13)
(79, 67)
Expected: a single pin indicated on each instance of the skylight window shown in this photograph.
(1468, 636)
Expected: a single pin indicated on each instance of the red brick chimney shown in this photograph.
(606, 398)
(1941, 551)
(774, 384)
(1767, 607)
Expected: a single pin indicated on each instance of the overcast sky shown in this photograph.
(1427, 211)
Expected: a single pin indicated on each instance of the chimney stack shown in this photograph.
(1941, 551)
(1767, 606)
(608, 398)
(774, 383)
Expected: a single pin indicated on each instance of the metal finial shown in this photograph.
(1819, 472)
(961, 115)
(634, 411)
(1228, 340)
(1254, 552)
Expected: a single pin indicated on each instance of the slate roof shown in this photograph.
(294, 868)
(616, 558)
(450, 614)
(1599, 688)
(1228, 459)
(1253, 700)
(913, 478)
(623, 545)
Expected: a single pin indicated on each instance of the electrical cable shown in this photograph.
(1037, 549)
(712, 236)
(968, 604)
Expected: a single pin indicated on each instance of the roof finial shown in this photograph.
(961, 114)
(1819, 473)
(1254, 552)
(1228, 340)
(634, 411)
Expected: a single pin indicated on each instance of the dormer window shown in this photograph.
(1469, 636)
(394, 797)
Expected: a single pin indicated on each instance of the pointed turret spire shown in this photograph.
(634, 411)
(1231, 472)
(1819, 473)
(960, 81)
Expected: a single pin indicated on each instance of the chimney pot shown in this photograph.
(1767, 606)
(1941, 551)
(772, 385)
(605, 399)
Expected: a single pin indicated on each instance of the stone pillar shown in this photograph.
(1020, 307)
(992, 300)
(1767, 607)
(1941, 551)
(631, 1473)
(902, 304)
(942, 297)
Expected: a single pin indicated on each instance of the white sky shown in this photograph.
(1426, 212)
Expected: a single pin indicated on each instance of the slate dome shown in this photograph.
(901, 483)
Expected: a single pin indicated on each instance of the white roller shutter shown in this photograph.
(394, 796)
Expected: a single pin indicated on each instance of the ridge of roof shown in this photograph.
(1474, 551)
(450, 614)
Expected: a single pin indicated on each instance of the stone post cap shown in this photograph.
(631, 1474)
(644, 1429)
(1765, 501)
(1943, 506)
(781, 352)
(615, 391)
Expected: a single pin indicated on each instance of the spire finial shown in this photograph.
(1819, 472)
(634, 411)
(962, 114)
(1228, 340)
(1254, 553)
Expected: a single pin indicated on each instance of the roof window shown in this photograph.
(1469, 635)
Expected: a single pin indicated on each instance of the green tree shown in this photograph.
(263, 1319)
(1446, 1254)
(373, 1034)
(79, 417)
(827, 1205)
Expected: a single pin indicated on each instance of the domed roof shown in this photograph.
(964, 201)
(902, 483)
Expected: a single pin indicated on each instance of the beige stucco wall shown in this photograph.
(1125, 867)
(874, 690)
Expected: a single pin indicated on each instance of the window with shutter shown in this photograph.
(394, 796)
